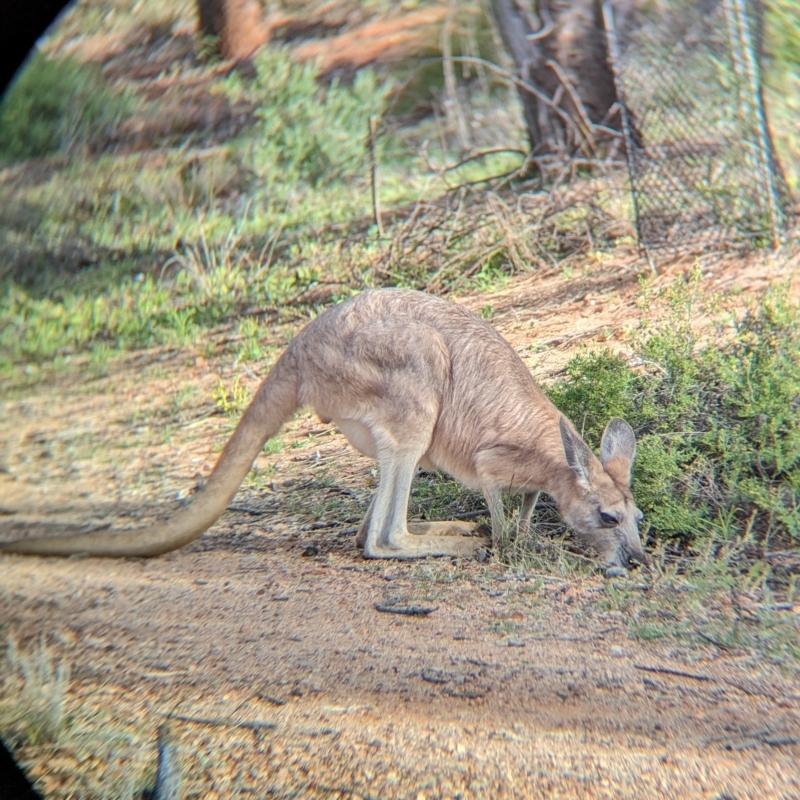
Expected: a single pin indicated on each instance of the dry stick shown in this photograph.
(588, 134)
(456, 219)
(676, 672)
(517, 245)
(408, 611)
(255, 724)
(168, 774)
(528, 87)
(504, 175)
(373, 164)
(336, 790)
(452, 106)
(545, 24)
(715, 642)
(482, 154)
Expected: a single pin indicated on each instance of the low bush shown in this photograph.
(308, 131)
(54, 104)
(717, 426)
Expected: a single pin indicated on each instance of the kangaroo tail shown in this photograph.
(274, 403)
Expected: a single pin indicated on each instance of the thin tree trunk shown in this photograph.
(560, 48)
(238, 24)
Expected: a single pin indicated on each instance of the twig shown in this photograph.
(524, 85)
(338, 790)
(781, 741)
(481, 512)
(276, 701)
(452, 105)
(588, 133)
(546, 27)
(483, 154)
(408, 611)
(256, 724)
(168, 773)
(255, 512)
(373, 163)
(712, 640)
(676, 672)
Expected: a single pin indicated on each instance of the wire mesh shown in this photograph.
(702, 167)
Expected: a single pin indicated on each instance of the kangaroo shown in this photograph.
(414, 380)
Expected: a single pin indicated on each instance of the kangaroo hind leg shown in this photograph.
(387, 532)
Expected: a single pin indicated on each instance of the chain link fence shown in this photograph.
(702, 166)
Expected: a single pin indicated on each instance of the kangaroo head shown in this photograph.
(600, 507)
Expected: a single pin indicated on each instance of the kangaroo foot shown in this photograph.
(445, 528)
(419, 545)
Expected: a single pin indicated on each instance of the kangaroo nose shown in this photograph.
(638, 559)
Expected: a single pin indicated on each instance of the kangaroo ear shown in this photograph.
(617, 450)
(578, 454)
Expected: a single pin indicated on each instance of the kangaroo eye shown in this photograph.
(608, 520)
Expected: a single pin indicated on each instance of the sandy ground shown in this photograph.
(262, 643)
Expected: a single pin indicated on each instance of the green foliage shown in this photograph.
(54, 104)
(717, 427)
(308, 131)
(782, 34)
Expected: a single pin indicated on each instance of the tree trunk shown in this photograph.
(566, 60)
(238, 25)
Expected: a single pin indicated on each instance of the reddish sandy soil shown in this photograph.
(263, 641)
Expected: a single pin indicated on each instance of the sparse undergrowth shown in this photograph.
(37, 716)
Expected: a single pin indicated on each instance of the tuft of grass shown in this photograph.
(718, 599)
(439, 497)
(39, 712)
(231, 401)
(37, 717)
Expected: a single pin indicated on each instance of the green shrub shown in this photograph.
(55, 103)
(717, 426)
(308, 131)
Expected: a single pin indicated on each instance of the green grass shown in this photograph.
(782, 83)
(104, 251)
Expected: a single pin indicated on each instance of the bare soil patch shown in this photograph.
(263, 639)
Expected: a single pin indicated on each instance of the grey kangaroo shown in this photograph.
(414, 380)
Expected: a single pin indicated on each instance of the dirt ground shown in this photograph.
(262, 643)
